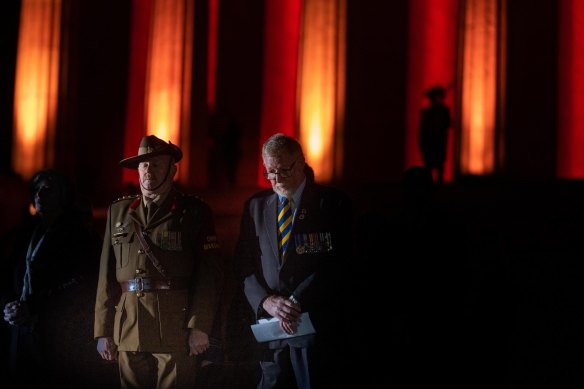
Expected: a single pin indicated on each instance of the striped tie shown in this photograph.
(284, 225)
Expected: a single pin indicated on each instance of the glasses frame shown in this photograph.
(283, 173)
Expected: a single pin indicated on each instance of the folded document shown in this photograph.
(269, 329)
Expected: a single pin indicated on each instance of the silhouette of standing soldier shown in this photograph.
(434, 125)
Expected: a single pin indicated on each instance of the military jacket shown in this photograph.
(183, 233)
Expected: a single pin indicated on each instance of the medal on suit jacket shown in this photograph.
(313, 242)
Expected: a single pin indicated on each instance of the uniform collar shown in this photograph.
(158, 200)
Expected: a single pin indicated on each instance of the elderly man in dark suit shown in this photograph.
(159, 276)
(292, 250)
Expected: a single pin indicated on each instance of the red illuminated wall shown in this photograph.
(212, 53)
(571, 89)
(431, 61)
(282, 33)
(135, 120)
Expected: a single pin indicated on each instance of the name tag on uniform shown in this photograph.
(313, 242)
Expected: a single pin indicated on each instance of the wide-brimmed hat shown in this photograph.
(435, 91)
(151, 146)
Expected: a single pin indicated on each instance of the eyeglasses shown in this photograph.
(283, 173)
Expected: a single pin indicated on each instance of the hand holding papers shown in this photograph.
(269, 329)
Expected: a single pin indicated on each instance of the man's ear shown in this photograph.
(173, 170)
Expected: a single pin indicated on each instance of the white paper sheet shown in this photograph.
(269, 329)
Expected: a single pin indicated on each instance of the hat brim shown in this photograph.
(133, 162)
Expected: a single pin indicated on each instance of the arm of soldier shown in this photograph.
(107, 289)
(198, 342)
(107, 348)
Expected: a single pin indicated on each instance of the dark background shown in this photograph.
(524, 316)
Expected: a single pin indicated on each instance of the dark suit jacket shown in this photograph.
(315, 260)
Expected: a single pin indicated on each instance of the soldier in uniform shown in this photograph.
(434, 126)
(159, 278)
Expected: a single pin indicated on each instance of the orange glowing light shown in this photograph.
(36, 86)
(320, 89)
(479, 88)
(168, 89)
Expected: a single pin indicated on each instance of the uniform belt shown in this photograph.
(150, 284)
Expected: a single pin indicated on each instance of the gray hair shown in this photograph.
(278, 143)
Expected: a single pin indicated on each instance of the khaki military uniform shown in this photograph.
(165, 303)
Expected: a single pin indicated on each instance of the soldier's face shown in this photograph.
(156, 173)
(285, 172)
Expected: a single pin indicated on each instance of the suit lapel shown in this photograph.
(271, 225)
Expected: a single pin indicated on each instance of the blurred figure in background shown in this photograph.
(53, 254)
(225, 152)
(434, 125)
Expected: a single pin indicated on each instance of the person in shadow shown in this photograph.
(421, 248)
(434, 124)
(225, 151)
(49, 309)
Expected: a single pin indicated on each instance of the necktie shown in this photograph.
(152, 207)
(284, 225)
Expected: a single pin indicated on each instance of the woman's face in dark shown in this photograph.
(46, 197)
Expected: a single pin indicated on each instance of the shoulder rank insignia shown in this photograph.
(131, 197)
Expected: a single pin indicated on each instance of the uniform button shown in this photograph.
(140, 251)
(140, 271)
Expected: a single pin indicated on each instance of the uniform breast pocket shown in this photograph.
(123, 247)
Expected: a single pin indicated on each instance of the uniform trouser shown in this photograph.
(157, 370)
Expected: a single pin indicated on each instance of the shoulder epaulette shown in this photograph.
(131, 197)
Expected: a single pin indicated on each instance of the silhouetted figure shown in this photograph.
(434, 125)
(422, 291)
(49, 311)
(225, 150)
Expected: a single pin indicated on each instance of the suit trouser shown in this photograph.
(288, 368)
(157, 370)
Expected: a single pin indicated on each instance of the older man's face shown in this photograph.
(285, 172)
(154, 173)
